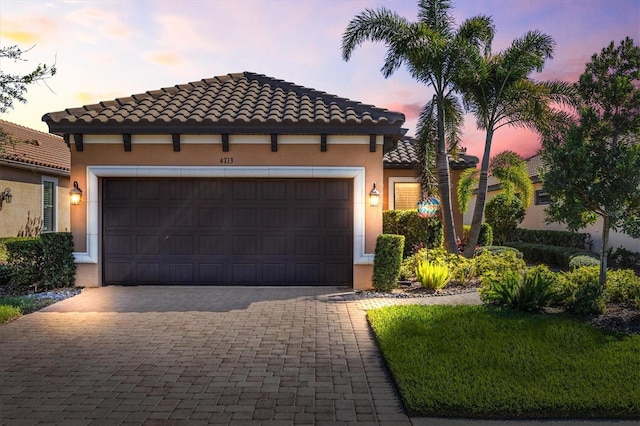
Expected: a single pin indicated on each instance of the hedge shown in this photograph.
(59, 265)
(550, 254)
(553, 238)
(387, 262)
(26, 258)
(418, 232)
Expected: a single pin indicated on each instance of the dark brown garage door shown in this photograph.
(228, 231)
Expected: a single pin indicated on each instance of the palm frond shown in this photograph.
(436, 15)
(467, 183)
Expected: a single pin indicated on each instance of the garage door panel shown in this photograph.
(228, 231)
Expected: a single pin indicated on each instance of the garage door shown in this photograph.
(228, 231)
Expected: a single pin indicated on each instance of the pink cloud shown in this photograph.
(411, 111)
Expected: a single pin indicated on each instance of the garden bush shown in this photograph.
(26, 258)
(582, 260)
(498, 250)
(464, 271)
(529, 291)
(388, 258)
(418, 231)
(59, 266)
(432, 276)
(504, 213)
(5, 273)
(553, 238)
(579, 291)
(497, 265)
(484, 239)
(622, 258)
(623, 286)
(550, 254)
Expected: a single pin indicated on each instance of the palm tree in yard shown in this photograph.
(499, 92)
(432, 50)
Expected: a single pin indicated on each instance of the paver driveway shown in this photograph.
(199, 355)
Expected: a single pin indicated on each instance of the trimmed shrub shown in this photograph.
(497, 265)
(553, 238)
(26, 258)
(504, 213)
(623, 259)
(486, 235)
(5, 273)
(418, 231)
(388, 258)
(59, 265)
(499, 250)
(551, 255)
(582, 260)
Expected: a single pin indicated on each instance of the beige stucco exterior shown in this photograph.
(26, 188)
(297, 156)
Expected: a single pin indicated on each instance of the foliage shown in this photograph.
(26, 257)
(388, 257)
(499, 250)
(623, 258)
(32, 228)
(476, 361)
(553, 238)
(13, 86)
(504, 213)
(580, 292)
(5, 273)
(8, 313)
(498, 264)
(509, 169)
(623, 286)
(432, 276)
(529, 291)
(582, 260)
(464, 271)
(431, 49)
(497, 89)
(59, 264)
(486, 235)
(592, 168)
(550, 255)
(14, 307)
(418, 231)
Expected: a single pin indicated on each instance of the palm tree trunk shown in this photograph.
(444, 185)
(603, 250)
(481, 198)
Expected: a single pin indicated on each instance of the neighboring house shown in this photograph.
(239, 179)
(403, 187)
(35, 171)
(535, 216)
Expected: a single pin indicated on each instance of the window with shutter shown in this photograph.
(48, 206)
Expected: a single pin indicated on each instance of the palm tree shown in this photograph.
(497, 89)
(432, 50)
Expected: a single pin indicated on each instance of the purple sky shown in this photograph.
(109, 49)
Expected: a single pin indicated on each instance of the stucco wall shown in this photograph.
(26, 187)
(294, 157)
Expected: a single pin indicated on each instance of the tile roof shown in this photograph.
(48, 150)
(246, 101)
(405, 155)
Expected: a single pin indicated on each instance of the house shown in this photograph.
(403, 188)
(34, 182)
(535, 215)
(240, 179)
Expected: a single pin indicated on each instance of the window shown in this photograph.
(49, 218)
(405, 195)
(542, 197)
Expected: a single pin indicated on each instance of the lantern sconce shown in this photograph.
(75, 195)
(5, 195)
(374, 196)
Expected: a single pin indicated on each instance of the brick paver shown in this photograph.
(199, 355)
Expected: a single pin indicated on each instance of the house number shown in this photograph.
(226, 160)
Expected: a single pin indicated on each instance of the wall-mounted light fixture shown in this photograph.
(5, 195)
(374, 196)
(75, 195)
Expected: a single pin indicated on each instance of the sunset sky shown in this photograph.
(109, 49)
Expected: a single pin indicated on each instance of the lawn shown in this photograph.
(481, 362)
(14, 307)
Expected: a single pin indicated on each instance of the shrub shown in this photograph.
(623, 259)
(486, 235)
(7, 313)
(26, 258)
(418, 231)
(388, 258)
(551, 255)
(497, 265)
(580, 292)
(5, 273)
(432, 275)
(499, 250)
(553, 238)
(504, 213)
(464, 271)
(59, 265)
(623, 285)
(582, 260)
(529, 291)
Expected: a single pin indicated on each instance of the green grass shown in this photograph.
(481, 362)
(14, 307)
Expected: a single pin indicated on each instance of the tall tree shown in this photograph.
(498, 91)
(431, 49)
(592, 169)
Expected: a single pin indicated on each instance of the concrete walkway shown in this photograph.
(202, 355)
